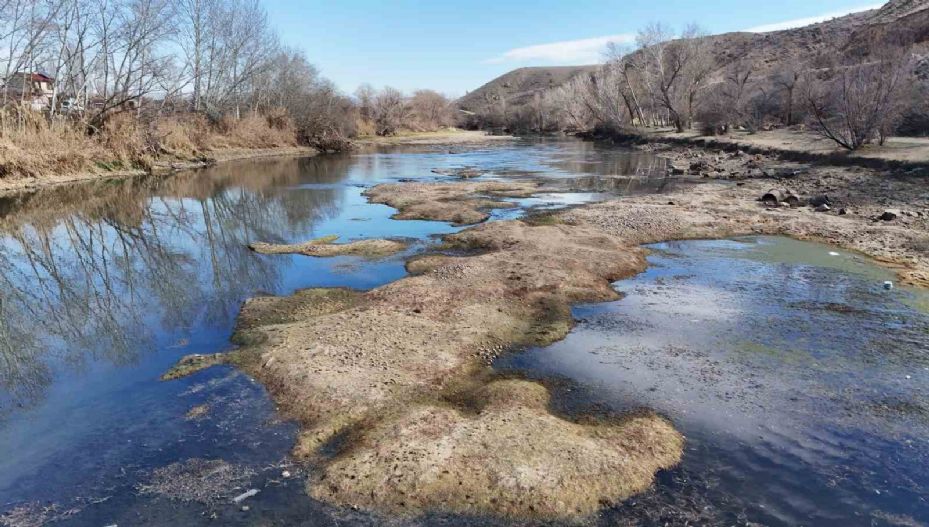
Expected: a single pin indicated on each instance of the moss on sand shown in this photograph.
(396, 378)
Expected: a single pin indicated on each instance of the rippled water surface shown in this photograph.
(104, 286)
(800, 382)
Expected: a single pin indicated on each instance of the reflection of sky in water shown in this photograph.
(104, 286)
(783, 362)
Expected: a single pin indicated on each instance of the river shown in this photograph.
(799, 381)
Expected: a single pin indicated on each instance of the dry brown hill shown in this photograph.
(518, 86)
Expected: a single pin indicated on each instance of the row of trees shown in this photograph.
(387, 111)
(217, 57)
(675, 80)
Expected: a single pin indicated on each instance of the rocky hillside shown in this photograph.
(518, 86)
(767, 52)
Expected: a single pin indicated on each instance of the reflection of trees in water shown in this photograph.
(103, 274)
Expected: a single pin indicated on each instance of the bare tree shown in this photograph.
(390, 111)
(675, 70)
(430, 110)
(788, 81)
(852, 104)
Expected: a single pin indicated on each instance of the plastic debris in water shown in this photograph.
(833, 253)
(245, 495)
(888, 285)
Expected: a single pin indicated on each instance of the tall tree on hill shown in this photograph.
(675, 70)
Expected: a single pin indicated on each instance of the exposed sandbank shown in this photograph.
(450, 136)
(408, 360)
(451, 202)
(325, 247)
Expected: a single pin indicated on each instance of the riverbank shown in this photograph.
(11, 186)
(409, 360)
(447, 137)
(102, 172)
(883, 213)
(906, 153)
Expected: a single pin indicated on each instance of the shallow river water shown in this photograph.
(800, 382)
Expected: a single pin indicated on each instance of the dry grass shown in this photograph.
(33, 514)
(31, 146)
(369, 376)
(253, 131)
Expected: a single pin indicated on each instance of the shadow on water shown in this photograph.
(801, 384)
(105, 285)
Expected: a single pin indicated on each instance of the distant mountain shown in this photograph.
(767, 52)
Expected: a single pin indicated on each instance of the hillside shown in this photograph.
(518, 86)
(767, 52)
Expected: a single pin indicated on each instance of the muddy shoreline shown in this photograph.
(726, 203)
(408, 360)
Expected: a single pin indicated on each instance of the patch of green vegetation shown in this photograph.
(271, 310)
(248, 337)
(192, 364)
(541, 220)
(325, 240)
(109, 166)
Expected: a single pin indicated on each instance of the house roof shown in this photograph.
(34, 76)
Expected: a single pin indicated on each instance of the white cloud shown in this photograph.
(568, 52)
(800, 22)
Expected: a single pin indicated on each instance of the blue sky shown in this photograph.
(456, 46)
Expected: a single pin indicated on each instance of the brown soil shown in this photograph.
(911, 151)
(452, 202)
(324, 247)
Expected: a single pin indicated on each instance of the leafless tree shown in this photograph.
(675, 70)
(430, 109)
(390, 111)
(788, 82)
(852, 104)
(364, 96)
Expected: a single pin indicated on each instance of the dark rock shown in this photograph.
(821, 199)
(890, 215)
(823, 208)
